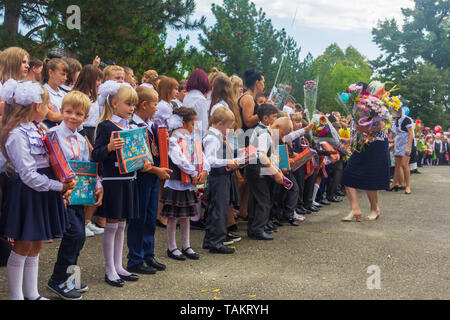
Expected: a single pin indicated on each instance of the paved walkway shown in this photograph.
(321, 259)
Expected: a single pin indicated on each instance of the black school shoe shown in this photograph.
(180, 257)
(325, 202)
(155, 264)
(114, 283)
(222, 250)
(262, 236)
(142, 268)
(132, 277)
(192, 256)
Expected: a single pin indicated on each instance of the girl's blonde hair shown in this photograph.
(222, 114)
(146, 94)
(236, 82)
(124, 94)
(152, 77)
(14, 115)
(53, 64)
(11, 63)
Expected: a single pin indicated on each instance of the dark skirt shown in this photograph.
(178, 204)
(368, 170)
(120, 200)
(29, 215)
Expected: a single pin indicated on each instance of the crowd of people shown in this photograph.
(84, 105)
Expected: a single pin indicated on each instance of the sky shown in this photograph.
(318, 22)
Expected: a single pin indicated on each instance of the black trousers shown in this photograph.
(71, 244)
(259, 202)
(334, 178)
(309, 190)
(217, 218)
(285, 201)
(299, 176)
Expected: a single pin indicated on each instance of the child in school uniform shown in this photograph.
(121, 197)
(178, 198)
(54, 74)
(222, 185)
(260, 186)
(75, 110)
(34, 207)
(285, 201)
(141, 231)
(73, 71)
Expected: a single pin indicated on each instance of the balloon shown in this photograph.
(405, 110)
(345, 96)
(437, 129)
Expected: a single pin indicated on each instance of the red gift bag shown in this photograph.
(163, 145)
(58, 161)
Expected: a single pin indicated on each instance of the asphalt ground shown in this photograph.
(323, 258)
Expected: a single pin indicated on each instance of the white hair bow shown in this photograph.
(109, 88)
(23, 93)
(174, 122)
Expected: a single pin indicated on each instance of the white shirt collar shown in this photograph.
(263, 125)
(148, 85)
(196, 93)
(67, 131)
(121, 121)
(53, 92)
(215, 131)
(138, 120)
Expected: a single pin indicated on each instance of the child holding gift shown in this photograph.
(141, 231)
(178, 198)
(34, 208)
(74, 110)
(222, 184)
(120, 190)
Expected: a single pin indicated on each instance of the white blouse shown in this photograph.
(196, 100)
(94, 115)
(221, 103)
(27, 152)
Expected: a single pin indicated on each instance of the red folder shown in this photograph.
(163, 144)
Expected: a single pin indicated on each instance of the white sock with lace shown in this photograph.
(118, 249)
(14, 271)
(108, 250)
(30, 278)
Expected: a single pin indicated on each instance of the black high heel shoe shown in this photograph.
(394, 188)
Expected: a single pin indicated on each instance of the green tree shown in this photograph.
(417, 58)
(337, 69)
(243, 38)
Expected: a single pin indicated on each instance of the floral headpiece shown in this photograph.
(109, 88)
(23, 93)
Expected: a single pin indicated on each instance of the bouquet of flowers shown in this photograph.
(368, 111)
(310, 101)
(323, 130)
(420, 136)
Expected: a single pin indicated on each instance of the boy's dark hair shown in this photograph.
(332, 118)
(298, 107)
(261, 95)
(35, 62)
(266, 110)
(186, 113)
(267, 93)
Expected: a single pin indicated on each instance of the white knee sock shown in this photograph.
(316, 189)
(30, 278)
(185, 234)
(14, 270)
(118, 249)
(108, 250)
(171, 234)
